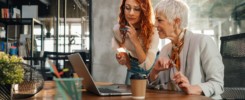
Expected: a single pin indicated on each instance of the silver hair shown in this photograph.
(172, 9)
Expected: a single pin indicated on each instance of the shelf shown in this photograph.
(22, 21)
(19, 21)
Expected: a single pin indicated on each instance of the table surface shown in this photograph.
(49, 90)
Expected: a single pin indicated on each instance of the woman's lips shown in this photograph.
(131, 19)
(161, 32)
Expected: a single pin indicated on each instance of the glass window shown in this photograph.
(216, 18)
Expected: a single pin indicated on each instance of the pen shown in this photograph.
(174, 68)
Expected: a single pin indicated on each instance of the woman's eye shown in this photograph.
(128, 8)
(137, 9)
(159, 20)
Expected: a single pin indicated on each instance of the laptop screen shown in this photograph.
(82, 71)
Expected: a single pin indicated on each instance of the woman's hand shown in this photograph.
(184, 84)
(132, 34)
(162, 63)
(123, 59)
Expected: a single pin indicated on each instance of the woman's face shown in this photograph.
(164, 27)
(132, 12)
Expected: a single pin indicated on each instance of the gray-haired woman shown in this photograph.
(191, 62)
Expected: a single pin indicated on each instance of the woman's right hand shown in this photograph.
(162, 63)
(121, 58)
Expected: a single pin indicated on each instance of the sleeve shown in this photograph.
(116, 37)
(151, 54)
(160, 81)
(114, 44)
(153, 84)
(213, 68)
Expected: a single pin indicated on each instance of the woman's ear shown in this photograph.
(177, 22)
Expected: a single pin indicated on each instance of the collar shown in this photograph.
(181, 35)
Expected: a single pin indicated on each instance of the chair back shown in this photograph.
(233, 54)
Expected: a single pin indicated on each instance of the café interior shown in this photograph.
(59, 28)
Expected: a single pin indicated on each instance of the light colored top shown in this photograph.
(150, 54)
(201, 63)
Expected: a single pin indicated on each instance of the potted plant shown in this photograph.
(11, 72)
(48, 22)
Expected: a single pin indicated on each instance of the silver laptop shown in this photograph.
(81, 69)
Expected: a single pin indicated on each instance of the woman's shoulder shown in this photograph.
(201, 40)
(200, 37)
(116, 32)
(116, 27)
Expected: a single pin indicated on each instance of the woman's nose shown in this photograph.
(131, 11)
(156, 24)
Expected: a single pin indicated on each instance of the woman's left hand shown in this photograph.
(184, 84)
(132, 34)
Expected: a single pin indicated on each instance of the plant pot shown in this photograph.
(6, 92)
(48, 35)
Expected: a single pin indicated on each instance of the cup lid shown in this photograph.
(138, 76)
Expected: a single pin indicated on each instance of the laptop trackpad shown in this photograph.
(114, 89)
(114, 86)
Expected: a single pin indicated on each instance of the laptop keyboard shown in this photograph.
(233, 93)
(106, 90)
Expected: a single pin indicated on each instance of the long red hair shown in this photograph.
(146, 24)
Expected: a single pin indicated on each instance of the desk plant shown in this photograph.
(11, 72)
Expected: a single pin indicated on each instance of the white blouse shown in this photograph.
(150, 54)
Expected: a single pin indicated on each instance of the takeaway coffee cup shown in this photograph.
(138, 86)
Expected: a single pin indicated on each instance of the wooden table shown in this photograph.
(48, 93)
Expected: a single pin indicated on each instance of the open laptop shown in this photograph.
(81, 69)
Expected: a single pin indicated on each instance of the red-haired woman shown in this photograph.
(135, 33)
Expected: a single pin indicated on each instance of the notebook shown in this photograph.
(81, 69)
